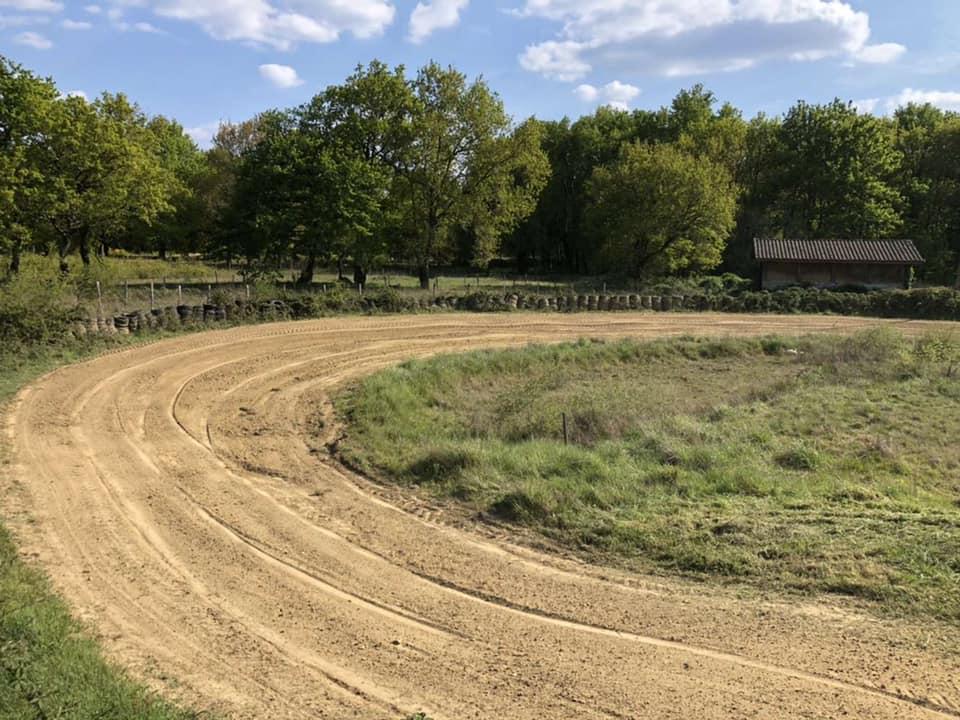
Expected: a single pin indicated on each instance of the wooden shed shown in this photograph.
(833, 263)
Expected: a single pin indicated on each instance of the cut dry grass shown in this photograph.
(814, 464)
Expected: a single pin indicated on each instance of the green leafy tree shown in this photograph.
(222, 216)
(338, 196)
(365, 124)
(941, 216)
(304, 194)
(180, 227)
(464, 164)
(929, 180)
(27, 119)
(262, 217)
(757, 178)
(556, 235)
(659, 209)
(107, 174)
(837, 175)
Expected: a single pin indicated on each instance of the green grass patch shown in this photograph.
(815, 464)
(120, 267)
(48, 667)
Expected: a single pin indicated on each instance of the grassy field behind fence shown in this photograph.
(818, 465)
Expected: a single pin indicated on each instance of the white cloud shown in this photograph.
(12, 21)
(615, 94)
(945, 100)
(434, 15)
(203, 134)
(282, 76)
(50, 6)
(620, 92)
(118, 20)
(866, 105)
(587, 93)
(75, 25)
(281, 24)
(34, 40)
(684, 37)
(557, 60)
(93, 9)
(880, 54)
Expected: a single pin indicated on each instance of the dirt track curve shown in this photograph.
(180, 500)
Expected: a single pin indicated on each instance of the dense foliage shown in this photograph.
(821, 171)
(427, 168)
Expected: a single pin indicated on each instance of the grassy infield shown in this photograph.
(813, 465)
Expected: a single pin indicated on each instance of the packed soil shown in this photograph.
(178, 497)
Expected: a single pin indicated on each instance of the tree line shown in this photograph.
(429, 169)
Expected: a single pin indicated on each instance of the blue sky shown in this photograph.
(203, 61)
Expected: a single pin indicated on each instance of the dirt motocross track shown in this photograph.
(180, 498)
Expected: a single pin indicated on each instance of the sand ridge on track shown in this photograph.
(179, 502)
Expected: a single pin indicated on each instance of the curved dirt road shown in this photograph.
(180, 496)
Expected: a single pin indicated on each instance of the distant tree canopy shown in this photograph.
(428, 168)
(820, 171)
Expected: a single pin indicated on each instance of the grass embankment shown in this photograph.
(816, 464)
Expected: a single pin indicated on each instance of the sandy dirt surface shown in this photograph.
(181, 498)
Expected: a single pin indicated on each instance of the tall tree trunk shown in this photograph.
(340, 267)
(63, 249)
(306, 273)
(85, 248)
(359, 276)
(423, 269)
(15, 250)
(162, 252)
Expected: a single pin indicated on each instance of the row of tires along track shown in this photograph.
(171, 317)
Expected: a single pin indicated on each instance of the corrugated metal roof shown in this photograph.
(900, 252)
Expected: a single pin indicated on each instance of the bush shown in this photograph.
(387, 300)
(925, 304)
(35, 307)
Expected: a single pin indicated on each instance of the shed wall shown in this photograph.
(783, 274)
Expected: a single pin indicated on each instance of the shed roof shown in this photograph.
(894, 252)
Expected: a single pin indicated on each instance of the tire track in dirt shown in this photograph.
(301, 589)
